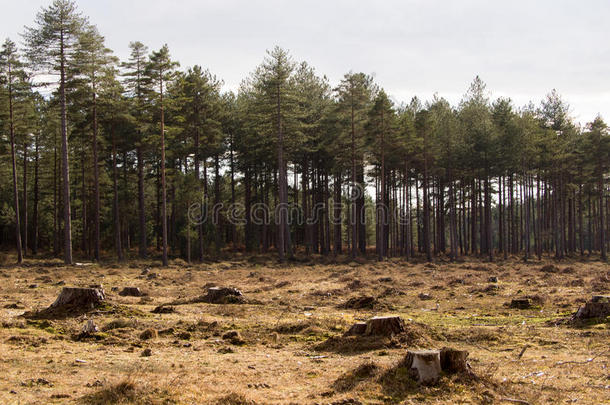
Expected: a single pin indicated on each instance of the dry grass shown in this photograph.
(284, 343)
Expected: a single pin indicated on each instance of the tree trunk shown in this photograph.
(115, 200)
(14, 164)
(282, 186)
(163, 190)
(64, 157)
(337, 215)
(96, 183)
(36, 197)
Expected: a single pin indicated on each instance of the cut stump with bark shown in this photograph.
(357, 329)
(597, 307)
(384, 326)
(86, 298)
(131, 292)
(424, 365)
(521, 303)
(72, 301)
(223, 295)
(453, 360)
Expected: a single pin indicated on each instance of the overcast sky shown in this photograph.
(521, 49)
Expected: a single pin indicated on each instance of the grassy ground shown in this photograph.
(282, 353)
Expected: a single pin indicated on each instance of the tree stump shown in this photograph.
(72, 301)
(521, 303)
(424, 365)
(384, 326)
(453, 360)
(223, 295)
(89, 328)
(75, 297)
(597, 307)
(131, 292)
(357, 329)
(366, 302)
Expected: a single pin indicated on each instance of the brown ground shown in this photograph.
(282, 353)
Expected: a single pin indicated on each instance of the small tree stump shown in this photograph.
(424, 365)
(357, 329)
(453, 360)
(223, 295)
(131, 292)
(521, 303)
(598, 307)
(75, 297)
(365, 302)
(89, 328)
(384, 326)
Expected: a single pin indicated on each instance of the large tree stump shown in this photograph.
(384, 326)
(76, 297)
(597, 307)
(72, 301)
(453, 360)
(424, 365)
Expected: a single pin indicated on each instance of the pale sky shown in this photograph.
(521, 49)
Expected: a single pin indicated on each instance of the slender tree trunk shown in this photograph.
(232, 167)
(14, 164)
(163, 190)
(25, 196)
(96, 182)
(354, 191)
(64, 156)
(283, 225)
(36, 196)
(141, 207)
(217, 217)
(115, 200)
(338, 248)
(602, 235)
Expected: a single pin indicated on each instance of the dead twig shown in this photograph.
(514, 400)
(589, 360)
(523, 351)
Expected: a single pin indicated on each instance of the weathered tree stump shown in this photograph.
(223, 295)
(357, 329)
(76, 297)
(453, 360)
(72, 301)
(131, 292)
(521, 303)
(597, 307)
(384, 326)
(89, 328)
(424, 365)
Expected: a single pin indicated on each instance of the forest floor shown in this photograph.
(283, 354)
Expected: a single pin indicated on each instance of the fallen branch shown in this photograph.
(516, 401)
(562, 363)
(523, 351)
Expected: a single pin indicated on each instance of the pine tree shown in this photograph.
(50, 46)
(274, 81)
(136, 83)
(13, 77)
(355, 93)
(95, 63)
(161, 72)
